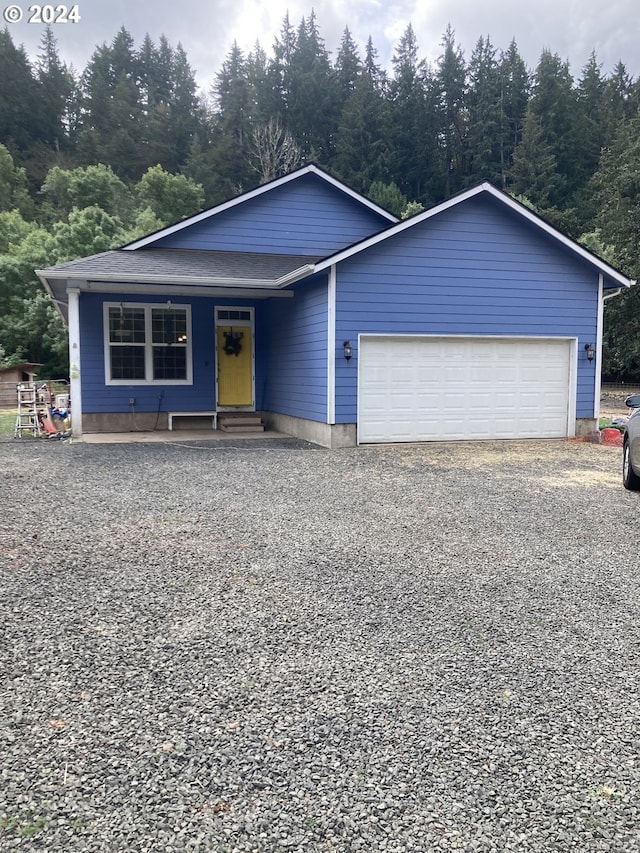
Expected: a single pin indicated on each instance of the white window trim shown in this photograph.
(245, 308)
(148, 345)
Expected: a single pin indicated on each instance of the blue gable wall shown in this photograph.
(473, 269)
(307, 216)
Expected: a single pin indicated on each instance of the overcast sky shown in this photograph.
(207, 28)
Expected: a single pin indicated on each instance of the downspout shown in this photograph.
(599, 333)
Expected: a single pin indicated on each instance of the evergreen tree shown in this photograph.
(363, 152)
(554, 105)
(534, 173)
(348, 66)
(312, 101)
(412, 132)
(280, 71)
(229, 154)
(485, 116)
(57, 85)
(20, 114)
(617, 195)
(112, 109)
(451, 88)
(263, 104)
(372, 68)
(186, 116)
(514, 97)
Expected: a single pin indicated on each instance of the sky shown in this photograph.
(207, 28)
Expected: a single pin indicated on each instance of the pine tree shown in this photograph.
(411, 131)
(348, 66)
(514, 98)
(57, 85)
(20, 113)
(363, 152)
(186, 116)
(554, 105)
(312, 106)
(112, 110)
(485, 116)
(534, 173)
(451, 89)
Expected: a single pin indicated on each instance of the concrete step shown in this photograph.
(240, 422)
(241, 427)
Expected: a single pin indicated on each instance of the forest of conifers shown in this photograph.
(90, 160)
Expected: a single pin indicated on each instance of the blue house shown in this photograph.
(305, 305)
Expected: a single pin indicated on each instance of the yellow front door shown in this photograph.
(235, 365)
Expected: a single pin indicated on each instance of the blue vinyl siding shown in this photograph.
(200, 396)
(304, 217)
(474, 269)
(297, 353)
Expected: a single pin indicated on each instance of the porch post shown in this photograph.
(74, 360)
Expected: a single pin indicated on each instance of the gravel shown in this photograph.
(273, 647)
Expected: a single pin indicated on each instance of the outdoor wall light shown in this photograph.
(347, 349)
(591, 353)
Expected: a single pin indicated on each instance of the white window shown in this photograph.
(147, 344)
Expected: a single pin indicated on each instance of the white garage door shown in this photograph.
(413, 388)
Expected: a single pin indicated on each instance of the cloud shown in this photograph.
(206, 30)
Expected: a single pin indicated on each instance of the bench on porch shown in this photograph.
(212, 415)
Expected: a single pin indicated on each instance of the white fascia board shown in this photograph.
(227, 205)
(47, 287)
(575, 247)
(353, 194)
(523, 211)
(179, 290)
(257, 283)
(296, 275)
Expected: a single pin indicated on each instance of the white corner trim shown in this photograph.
(599, 337)
(74, 360)
(331, 346)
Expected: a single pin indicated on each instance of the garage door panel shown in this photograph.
(422, 388)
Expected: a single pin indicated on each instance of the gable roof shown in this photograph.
(311, 169)
(618, 279)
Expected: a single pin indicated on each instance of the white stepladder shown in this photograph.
(27, 420)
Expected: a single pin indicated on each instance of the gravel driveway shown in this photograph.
(282, 648)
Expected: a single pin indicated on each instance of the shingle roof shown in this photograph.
(179, 265)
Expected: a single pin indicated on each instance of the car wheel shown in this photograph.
(630, 479)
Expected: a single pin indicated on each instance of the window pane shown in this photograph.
(126, 325)
(127, 363)
(168, 326)
(224, 314)
(170, 362)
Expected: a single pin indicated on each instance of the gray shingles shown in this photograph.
(171, 264)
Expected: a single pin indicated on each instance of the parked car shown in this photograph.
(631, 446)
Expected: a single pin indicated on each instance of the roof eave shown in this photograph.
(135, 278)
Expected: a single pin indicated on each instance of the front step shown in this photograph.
(240, 422)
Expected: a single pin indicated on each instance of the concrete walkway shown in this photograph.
(174, 436)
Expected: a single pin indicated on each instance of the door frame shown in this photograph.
(244, 323)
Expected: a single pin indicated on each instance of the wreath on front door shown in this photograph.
(232, 342)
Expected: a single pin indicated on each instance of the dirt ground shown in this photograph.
(612, 404)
